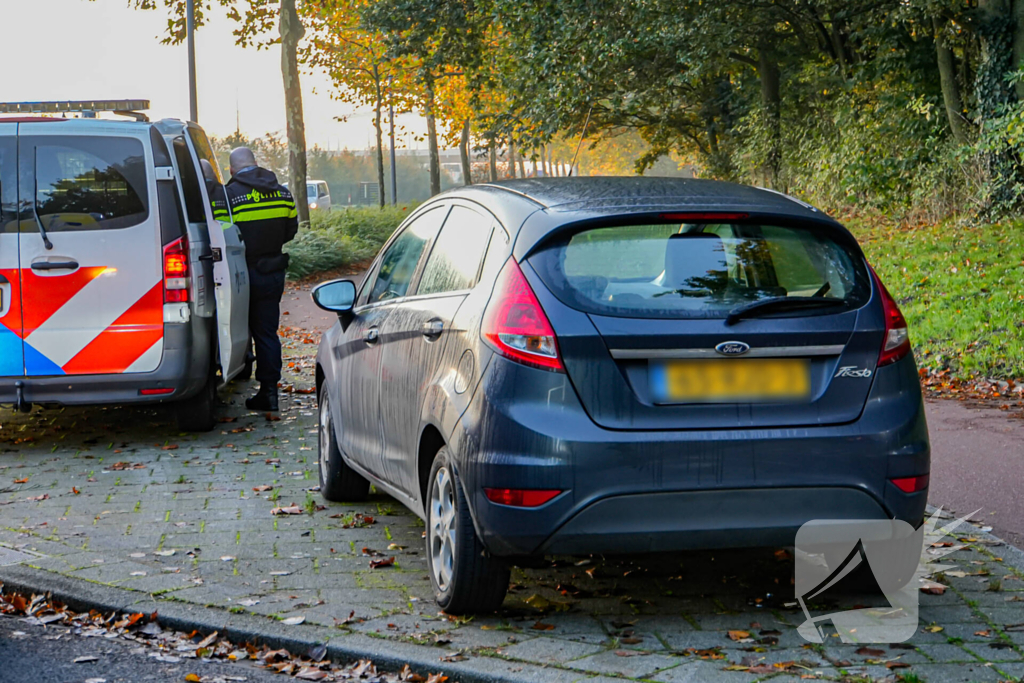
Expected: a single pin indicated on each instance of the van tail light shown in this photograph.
(176, 272)
(515, 324)
(521, 498)
(897, 338)
(911, 484)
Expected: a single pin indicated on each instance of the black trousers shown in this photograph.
(265, 292)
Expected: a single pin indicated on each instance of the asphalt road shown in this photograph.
(977, 449)
(37, 654)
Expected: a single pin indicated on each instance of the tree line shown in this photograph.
(902, 106)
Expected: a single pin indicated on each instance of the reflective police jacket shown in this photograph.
(263, 210)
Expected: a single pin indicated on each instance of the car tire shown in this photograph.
(199, 413)
(465, 577)
(338, 482)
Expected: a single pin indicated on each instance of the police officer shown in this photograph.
(265, 213)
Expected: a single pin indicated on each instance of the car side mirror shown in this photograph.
(336, 296)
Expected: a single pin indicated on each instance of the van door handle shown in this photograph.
(371, 336)
(55, 265)
(432, 329)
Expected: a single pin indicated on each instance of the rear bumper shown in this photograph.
(732, 518)
(183, 368)
(673, 490)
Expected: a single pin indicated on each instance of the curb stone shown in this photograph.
(81, 595)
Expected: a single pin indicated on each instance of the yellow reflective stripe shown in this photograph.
(263, 205)
(264, 214)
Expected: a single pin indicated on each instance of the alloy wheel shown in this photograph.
(442, 528)
(325, 437)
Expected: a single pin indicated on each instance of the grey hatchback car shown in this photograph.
(617, 365)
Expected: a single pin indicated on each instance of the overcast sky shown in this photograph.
(78, 50)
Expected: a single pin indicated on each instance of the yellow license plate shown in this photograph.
(730, 381)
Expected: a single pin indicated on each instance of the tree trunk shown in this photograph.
(378, 104)
(947, 81)
(771, 100)
(435, 162)
(1018, 43)
(291, 33)
(467, 167)
(997, 39)
(511, 158)
(492, 158)
(522, 167)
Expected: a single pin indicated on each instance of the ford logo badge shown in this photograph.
(732, 348)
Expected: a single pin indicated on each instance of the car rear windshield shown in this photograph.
(699, 270)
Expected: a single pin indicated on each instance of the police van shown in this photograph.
(117, 285)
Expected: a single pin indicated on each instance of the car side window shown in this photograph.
(455, 258)
(8, 184)
(189, 182)
(85, 182)
(367, 286)
(398, 265)
(205, 151)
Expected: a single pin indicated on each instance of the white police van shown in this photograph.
(116, 283)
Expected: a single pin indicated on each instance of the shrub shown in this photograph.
(335, 239)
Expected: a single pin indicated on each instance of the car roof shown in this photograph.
(596, 194)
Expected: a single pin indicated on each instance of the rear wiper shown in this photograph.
(779, 303)
(35, 199)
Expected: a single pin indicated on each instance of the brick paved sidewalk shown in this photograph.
(117, 497)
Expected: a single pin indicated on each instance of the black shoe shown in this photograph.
(263, 401)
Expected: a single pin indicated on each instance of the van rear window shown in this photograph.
(698, 270)
(86, 182)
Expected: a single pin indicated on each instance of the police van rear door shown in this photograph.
(12, 362)
(89, 253)
(230, 273)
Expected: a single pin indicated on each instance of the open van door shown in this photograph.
(230, 272)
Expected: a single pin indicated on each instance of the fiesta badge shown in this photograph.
(732, 348)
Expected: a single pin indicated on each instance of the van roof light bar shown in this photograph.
(132, 108)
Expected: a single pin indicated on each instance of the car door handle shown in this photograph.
(371, 336)
(432, 329)
(55, 265)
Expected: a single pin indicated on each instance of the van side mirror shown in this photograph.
(336, 296)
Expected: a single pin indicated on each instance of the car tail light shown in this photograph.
(156, 391)
(515, 324)
(176, 272)
(911, 484)
(521, 498)
(897, 337)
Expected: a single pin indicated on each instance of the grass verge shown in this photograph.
(961, 289)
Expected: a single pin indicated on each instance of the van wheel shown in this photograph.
(338, 482)
(466, 579)
(198, 414)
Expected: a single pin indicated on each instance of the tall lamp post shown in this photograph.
(190, 26)
(391, 134)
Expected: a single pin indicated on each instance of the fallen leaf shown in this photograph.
(541, 626)
(207, 641)
(37, 498)
(896, 665)
(932, 588)
(738, 635)
(169, 447)
(292, 509)
(934, 628)
(310, 673)
(870, 652)
(86, 659)
(262, 488)
(382, 564)
(21, 481)
(193, 678)
(293, 621)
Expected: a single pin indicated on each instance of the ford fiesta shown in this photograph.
(617, 365)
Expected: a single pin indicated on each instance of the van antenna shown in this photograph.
(583, 134)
